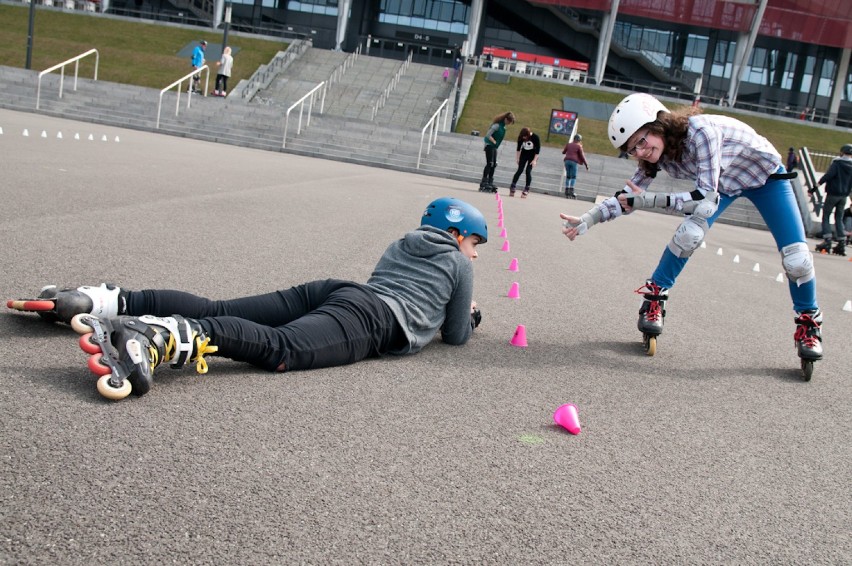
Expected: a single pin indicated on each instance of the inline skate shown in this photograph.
(125, 350)
(54, 304)
(808, 339)
(652, 314)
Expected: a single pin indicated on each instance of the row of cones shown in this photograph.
(779, 278)
(26, 134)
(566, 415)
(519, 338)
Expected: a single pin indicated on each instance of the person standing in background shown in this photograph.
(529, 146)
(493, 138)
(224, 65)
(197, 62)
(573, 152)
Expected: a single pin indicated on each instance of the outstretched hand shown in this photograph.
(573, 226)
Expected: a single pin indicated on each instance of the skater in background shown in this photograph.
(526, 156)
(446, 74)
(792, 160)
(224, 66)
(422, 284)
(493, 138)
(197, 62)
(838, 184)
(574, 156)
(726, 159)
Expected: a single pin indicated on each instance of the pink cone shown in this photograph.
(520, 337)
(513, 265)
(503, 233)
(505, 247)
(566, 416)
(515, 291)
(499, 222)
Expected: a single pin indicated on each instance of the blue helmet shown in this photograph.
(446, 213)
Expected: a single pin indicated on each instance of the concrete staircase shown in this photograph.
(344, 132)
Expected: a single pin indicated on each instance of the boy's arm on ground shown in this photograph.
(457, 329)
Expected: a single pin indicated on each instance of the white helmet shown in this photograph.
(632, 113)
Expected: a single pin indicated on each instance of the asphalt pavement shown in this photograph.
(713, 451)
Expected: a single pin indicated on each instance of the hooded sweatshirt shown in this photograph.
(428, 284)
(838, 178)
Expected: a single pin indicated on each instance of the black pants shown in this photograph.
(222, 83)
(490, 165)
(833, 206)
(315, 325)
(524, 163)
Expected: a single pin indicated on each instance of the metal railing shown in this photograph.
(383, 98)
(76, 61)
(178, 83)
(432, 126)
(318, 90)
(264, 75)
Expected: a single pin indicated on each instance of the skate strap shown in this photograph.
(183, 345)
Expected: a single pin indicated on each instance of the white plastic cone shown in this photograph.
(1, 131)
(848, 306)
(780, 278)
(59, 135)
(736, 258)
(77, 136)
(756, 268)
(91, 137)
(44, 133)
(104, 138)
(26, 133)
(116, 139)
(703, 245)
(719, 251)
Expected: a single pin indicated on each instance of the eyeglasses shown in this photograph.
(639, 145)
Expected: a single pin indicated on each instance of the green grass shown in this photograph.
(532, 101)
(144, 54)
(130, 53)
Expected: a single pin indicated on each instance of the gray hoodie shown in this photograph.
(428, 284)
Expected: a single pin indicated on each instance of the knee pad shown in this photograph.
(798, 263)
(688, 237)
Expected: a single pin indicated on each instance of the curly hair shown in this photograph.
(672, 128)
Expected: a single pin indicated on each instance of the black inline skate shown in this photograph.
(652, 314)
(824, 247)
(808, 339)
(125, 350)
(839, 248)
(54, 304)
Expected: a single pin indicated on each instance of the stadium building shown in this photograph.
(783, 57)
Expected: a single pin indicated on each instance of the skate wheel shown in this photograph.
(807, 369)
(650, 344)
(106, 389)
(88, 345)
(80, 324)
(97, 366)
(31, 306)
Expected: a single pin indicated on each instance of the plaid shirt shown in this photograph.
(722, 154)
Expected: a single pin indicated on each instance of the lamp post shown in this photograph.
(30, 35)
(227, 25)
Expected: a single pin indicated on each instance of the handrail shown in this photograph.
(301, 104)
(383, 98)
(76, 61)
(188, 94)
(432, 123)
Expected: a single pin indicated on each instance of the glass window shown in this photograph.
(443, 15)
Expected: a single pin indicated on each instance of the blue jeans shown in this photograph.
(777, 205)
